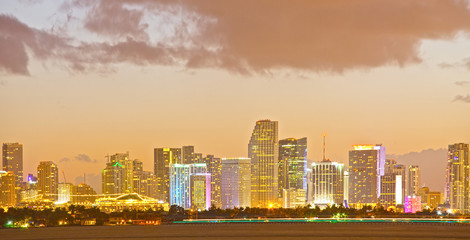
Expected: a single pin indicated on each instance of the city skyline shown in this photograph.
(79, 81)
(277, 172)
(94, 179)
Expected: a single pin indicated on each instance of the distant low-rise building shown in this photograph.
(236, 182)
(48, 180)
(412, 204)
(7, 189)
(293, 198)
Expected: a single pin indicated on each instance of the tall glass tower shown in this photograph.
(458, 177)
(163, 158)
(366, 168)
(292, 164)
(263, 151)
(13, 160)
(48, 180)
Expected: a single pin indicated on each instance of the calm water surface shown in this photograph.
(249, 231)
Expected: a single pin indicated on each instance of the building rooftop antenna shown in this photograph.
(324, 147)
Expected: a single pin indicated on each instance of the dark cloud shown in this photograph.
(462, 98)
(331, 35)
(80, 158)
(244, 37)
(94, 180)
(65, 160)
(464, 63)
(467, 63)
(113, 19)
(462, 83)
(15, 37)
(432, 163)
(446, 65)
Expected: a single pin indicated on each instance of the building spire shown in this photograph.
(324, 147)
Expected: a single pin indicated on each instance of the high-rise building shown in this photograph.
(112, 178)
(145, 182)
(30, 190)
(328, 185)
(65, 192)
(214, 167)
(163, 158)
(413, 180)
(236, 183)
(263, 151)
(200, 191)
(309, 192)
(48, 180)
(138, 168)
(366, 167)
(84, 193)
(8, 196)
(187, 154)
(424, 193)
(293, 198)
(198, 158)
(292, 164)
(127, 167)
(180, 183)
(412, 204)
(434, 199)
(388, 190)
(118, 176)
(392, 190)
(399, 171)
(13, 160)
(458, 178)
(346, 188)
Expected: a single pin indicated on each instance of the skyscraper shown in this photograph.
(328, 188)
(400, 174)
(65, 192)
(8, 196)
(48, 180)
(127, 168)
(180, 185)
(111, 177)
(292, 164)
(214, 167)
(84, 194)
(434, 199)
(458, 177)
(392, 184)
(163, 158)
(30, 191)
(145, 182)
(13, 160)
(263, 152)
(118, 176)
(366, 167)
(187, 154)
(200, 191)
(413, 180)
(236, 182)
(293, 198)
(181, 188)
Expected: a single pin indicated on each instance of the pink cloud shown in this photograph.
(245, 37)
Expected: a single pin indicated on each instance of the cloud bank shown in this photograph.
(432, 163)
(79, 158)
(245, 37)
(462, 98)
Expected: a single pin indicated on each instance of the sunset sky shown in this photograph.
(82, 79)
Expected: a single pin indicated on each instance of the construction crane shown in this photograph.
(63, 173)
